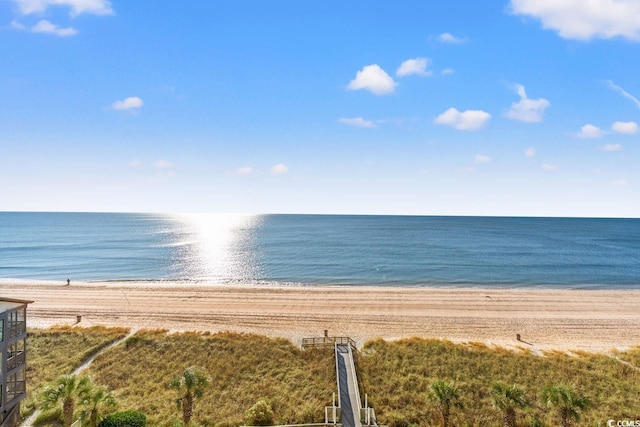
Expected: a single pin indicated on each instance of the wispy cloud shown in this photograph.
(620, 183)
(530, 152)
(47, 27)
(163, 164)
(357, 122)
(549, 167)
(468, 120)
(623, 92)
(279, 169)
(15, 25)
(417, 66)
(628, 128)
(447, 71)
(451, 39)
(527, 110)
(245, 170)
(611, 147)
(77, 7)
(165, 168)
(584, 20)
(135, 163)
(132, 102)
(482, 158)
(44, 27)
(589, 131)
(374, 79)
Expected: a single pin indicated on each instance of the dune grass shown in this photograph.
(59, 350)
(396, 376)
(298, 384)
(242, 369)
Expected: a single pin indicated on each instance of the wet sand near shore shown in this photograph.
(590, 320)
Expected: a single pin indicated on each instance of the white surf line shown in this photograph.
(84, 365)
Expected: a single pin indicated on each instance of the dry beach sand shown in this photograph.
(594, 320)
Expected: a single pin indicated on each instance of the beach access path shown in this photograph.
(591, 320)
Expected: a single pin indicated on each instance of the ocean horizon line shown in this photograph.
(410, 215)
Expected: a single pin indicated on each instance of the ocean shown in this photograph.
(322, 250)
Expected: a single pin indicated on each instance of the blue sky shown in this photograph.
(510, 107)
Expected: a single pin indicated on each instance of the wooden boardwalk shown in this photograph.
(348, 410)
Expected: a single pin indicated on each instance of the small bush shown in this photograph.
(259, 414)
(125, 419)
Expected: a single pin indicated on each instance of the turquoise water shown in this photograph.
(322, 249)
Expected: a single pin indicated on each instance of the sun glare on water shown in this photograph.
(220, 246)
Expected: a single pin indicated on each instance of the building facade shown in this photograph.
(13, 359)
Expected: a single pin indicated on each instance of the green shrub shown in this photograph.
(259, 414)
(125, 419)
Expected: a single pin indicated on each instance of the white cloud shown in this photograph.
(530, 152)
(245, 170)
(623, 93)
(414, 66)
(589, 131)
(450, 38)
(584, 20)
(467, 120)
(78, 7)
(620, 183)
(374, 79)
(163, 164)
(481, 158)
(357, 122)
(135, 163)
(548, 167)
(527, 110)
(629, 128)
(279, 169)
(447, 71)
(611, 147)
(128, 103)
(47, 27)
(15, 25)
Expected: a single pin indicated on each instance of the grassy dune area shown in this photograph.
(396, 376)
(298, 384)
(60, 350)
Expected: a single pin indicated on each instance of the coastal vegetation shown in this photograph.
(60, 350)
(241, 369)
(256, 380)
(397, 376)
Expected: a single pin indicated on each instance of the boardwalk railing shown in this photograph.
(327, 342)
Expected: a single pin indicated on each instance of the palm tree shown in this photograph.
(190, 385)
(567, 402)
(66, 389)
(507, 398)
(445, 396)
(96, 399)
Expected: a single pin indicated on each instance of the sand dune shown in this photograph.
(593, 320)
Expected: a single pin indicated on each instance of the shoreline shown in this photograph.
(209, 283)
(562, 319)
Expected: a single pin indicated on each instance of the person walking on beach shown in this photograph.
(68, 282)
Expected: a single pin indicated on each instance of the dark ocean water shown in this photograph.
(322, 249)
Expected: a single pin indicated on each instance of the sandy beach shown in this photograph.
(594, 320)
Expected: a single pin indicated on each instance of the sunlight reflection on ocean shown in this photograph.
(215, 247)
